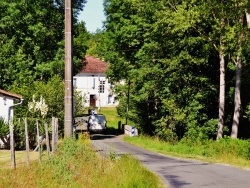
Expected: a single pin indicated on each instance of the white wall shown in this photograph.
(88, 84)
(5, 102)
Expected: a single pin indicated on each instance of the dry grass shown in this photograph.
(20, 156)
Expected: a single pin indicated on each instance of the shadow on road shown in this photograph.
(101, 136)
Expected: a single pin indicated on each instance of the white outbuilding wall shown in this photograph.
(6, 110)
(5, 103)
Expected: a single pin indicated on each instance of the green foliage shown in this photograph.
(19, 131)
(96, 44)
(170, 53)
(32, 38)
(171, 79)
(53, 93)
(248, 112)
(228, 146)
(4, 128)
(81, 38)
(79, 103)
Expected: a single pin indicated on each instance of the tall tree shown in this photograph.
(156, 46)
(33, 30)
(175, 53)
(241, 36)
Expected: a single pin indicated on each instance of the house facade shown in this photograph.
(6, 111)
(93, 84)
(6, 102)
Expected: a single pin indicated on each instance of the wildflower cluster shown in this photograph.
(35, 106)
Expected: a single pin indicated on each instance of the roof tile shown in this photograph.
(93, 65)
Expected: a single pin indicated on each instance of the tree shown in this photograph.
(31, 39)
(159, 50)
(241, 36)
(170, 51)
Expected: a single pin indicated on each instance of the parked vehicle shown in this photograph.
(97, 123)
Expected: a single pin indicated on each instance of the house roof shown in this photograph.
(13, 95)
(93, 65)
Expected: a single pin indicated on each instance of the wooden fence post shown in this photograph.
(38, 140)
(27, 142)
(12, 149)
(56, 132)
(53, 135)
(47, 138)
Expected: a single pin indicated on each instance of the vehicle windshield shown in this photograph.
(98, 118)
(101, 119)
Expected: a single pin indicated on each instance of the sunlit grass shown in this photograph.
(20, 156)
(112, 116)
(75, 164)
(208, 152)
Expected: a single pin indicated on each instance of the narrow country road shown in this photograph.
(176, 173)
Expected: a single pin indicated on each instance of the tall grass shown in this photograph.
(75, 164)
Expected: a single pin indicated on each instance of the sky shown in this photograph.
(93, 15)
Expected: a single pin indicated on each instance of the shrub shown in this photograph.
(4, 128)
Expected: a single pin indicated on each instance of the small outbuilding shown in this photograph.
(6, 103)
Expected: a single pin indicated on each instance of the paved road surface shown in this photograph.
(176, 173)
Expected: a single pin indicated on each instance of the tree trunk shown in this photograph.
(237, 100)
(248, 19)
(221, 97)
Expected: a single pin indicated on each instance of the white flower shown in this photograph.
(41, 106)
(32, 105)
(44, 110)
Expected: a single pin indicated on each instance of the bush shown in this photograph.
(236, 147)
(4, 128)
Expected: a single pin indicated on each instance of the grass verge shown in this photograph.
(224, 151)
(75, 164)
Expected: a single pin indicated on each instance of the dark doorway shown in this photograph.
(92, 101)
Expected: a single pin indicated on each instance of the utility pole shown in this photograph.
(68, 97)
(127, 109)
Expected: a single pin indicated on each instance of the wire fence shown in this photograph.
(45, 141)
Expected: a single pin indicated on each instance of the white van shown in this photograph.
(97, 123)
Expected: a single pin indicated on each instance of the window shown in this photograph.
(101, 86)
(93, 86)
(74, 82)
(101, 89)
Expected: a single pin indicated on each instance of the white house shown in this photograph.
(93, 84)
(6, 110)
(6, 104)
